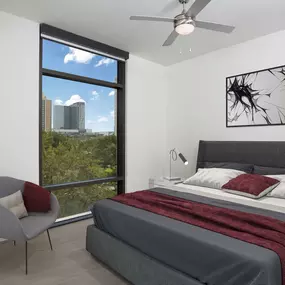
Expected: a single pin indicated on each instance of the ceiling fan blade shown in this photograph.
(214, 27)
(169, 7)
(171, 39)
(152, 19)
(197, 7)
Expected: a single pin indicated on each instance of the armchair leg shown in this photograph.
(49, 240)
(14, 243)
(26, 258)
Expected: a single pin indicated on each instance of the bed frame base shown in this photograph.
(133, 265)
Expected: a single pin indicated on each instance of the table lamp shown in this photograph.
(173, 156)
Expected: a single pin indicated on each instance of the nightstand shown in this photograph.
(161, 182)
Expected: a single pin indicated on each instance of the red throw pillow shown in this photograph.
(36, 198)
(251, 185)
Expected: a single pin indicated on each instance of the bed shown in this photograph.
(148, 248)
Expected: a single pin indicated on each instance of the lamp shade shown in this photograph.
(182, 157)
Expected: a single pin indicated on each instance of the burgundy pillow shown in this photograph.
(36, 198)
(251, 185)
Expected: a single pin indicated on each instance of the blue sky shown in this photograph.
(99, 107)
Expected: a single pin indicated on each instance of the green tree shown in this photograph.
(78, 158)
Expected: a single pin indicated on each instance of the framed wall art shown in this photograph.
(256, 98)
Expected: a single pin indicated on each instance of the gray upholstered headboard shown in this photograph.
(262, 153)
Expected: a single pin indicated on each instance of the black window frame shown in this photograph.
(73, 40)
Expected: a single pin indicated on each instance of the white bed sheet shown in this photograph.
(269, 203)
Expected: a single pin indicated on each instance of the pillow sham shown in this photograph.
(248, 168)
(212, 177)
(279, 190)
(263, 170)
(251, 185)
(15, 204)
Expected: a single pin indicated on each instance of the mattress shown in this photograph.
(269, 203)
(206, 256)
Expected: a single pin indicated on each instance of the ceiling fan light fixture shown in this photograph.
(185, 29)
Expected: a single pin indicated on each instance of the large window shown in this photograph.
(82, 125)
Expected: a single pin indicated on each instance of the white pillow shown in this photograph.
(279, 191)
(212, 177)
(15, 204)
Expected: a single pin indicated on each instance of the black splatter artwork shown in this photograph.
(256, 98)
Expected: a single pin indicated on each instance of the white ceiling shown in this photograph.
(108, 21)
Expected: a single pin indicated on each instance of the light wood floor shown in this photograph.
(68, 264)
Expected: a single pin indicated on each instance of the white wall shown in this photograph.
(197, 98)
(19, 93)
(145, 128)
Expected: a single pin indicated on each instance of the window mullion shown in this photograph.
(78, 78)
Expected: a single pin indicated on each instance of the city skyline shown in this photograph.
(99, 101)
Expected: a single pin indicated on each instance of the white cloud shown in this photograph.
(102, 119)
(112, 93)
(112, 114)
(91, 122)
(105, 61)
(74, 99)
(95, 95)
(78, 55)
(58, 102)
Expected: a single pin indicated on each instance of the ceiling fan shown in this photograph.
(185, 23)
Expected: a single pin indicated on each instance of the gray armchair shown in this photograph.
(22, 230)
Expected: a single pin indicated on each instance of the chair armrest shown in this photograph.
(10, 226)
(55, 208)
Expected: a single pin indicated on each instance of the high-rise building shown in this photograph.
(58, 117)
(69, 117)
(46, 113)
(80, 116)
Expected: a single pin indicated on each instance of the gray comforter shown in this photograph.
(207, 256)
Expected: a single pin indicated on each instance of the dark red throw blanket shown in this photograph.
(259, 230)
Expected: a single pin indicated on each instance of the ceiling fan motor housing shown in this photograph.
(183, 19)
